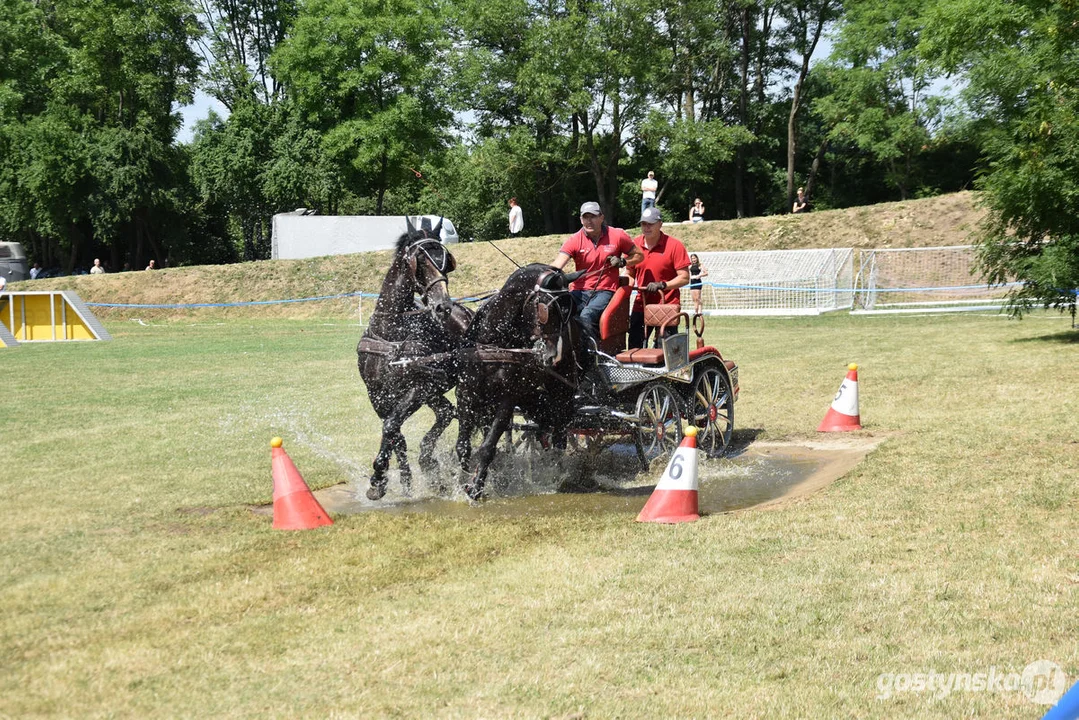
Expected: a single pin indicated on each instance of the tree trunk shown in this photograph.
(815, 168)
(743, 118)
(792, 144)
(73, 235)
(808, 47)
(381, 183)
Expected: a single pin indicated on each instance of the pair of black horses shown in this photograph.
(522, 349)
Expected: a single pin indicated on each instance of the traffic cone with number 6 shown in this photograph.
(675, 498)
(843, 415)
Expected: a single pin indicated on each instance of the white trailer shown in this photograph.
(296, 236)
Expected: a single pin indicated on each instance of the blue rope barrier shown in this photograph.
(480, 298)
(180, 306)
(183, 306)
(730, 286)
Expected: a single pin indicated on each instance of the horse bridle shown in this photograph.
(445, 265)
(542, 309)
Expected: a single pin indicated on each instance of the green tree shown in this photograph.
(369, 75)
(880, 98)
(1021, 60)
(89, 122)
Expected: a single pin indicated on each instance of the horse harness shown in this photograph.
(534, 301)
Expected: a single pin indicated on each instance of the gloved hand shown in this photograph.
(615, 261)
(655, 287)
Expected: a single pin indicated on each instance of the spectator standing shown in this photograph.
(662, 271)
(801, 204)
(97, 269)
(696, 272)
(696, 212)
(151, 266)
(517, 217)
(648, 191)
(600, 250)
(35, 271)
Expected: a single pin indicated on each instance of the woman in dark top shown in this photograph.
(696, 272)
(696, 213)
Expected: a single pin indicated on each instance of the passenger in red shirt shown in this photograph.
(664, 269)
(599, 249)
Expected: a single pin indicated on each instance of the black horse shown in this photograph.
(407, 356)
(526, 350)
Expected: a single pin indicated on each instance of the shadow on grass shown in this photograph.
(1068, 337)
(742, 439)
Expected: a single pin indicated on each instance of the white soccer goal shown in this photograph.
(776, 282)
(938, 279)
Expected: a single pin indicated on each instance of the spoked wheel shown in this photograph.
(659, 420)
(711, 409)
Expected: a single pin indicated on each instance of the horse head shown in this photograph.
(552, 311)
(429, 263)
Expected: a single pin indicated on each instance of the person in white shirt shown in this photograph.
(35, 271)
(517, 217)
(648, 191)
(97, 269)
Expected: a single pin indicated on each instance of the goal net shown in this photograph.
(775, 282)
(897, 280)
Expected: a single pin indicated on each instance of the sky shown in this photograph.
(198, 110)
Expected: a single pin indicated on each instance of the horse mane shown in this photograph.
(403, 242)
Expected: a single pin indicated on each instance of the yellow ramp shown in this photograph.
(48, 316)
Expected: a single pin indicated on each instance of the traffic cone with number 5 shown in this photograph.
(843, 415)
(675, 498)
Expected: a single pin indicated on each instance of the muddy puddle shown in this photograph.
(612, 482)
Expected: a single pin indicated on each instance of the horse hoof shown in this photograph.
(474, 492)
(376, 492)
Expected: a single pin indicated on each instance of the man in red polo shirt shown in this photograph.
(599, 249)
(664, 269)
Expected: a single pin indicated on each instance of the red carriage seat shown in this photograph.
(659, 317)
(614, 322)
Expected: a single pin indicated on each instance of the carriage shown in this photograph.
(646, 396)
(522, 369)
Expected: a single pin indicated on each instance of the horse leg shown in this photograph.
(444, 414)
(393, 441)
(486, 452)
(382, 461)
(400, 451)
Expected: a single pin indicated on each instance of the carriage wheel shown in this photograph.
(711, 409)
(659, 420)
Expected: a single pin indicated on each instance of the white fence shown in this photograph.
(776, 282)
(809, 282)
(906, 279)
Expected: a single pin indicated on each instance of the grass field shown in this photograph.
(135, 581)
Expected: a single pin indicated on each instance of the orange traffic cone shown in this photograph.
(675, 498)
(294, 507)
(843, 415)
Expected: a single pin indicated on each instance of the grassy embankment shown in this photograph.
(944, 220)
